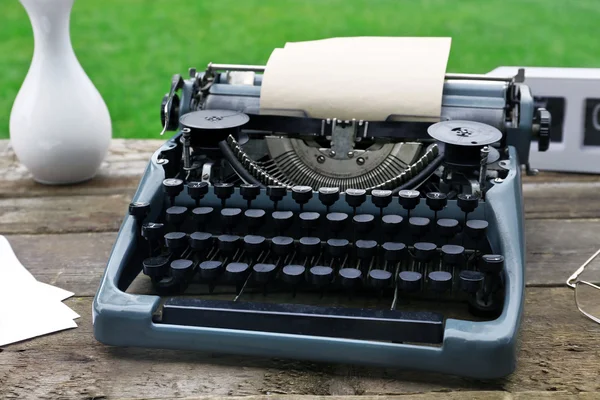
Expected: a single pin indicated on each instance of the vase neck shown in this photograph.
(50, 22)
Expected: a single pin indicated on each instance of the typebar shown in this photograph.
(296, 319)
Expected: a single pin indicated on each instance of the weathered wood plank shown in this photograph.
(559, 352)
(76, 261)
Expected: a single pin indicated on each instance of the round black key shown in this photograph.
(453, 254)
(410, 281)
(176, 215)
(491, 263)
(320, 275)
(263, 273)
(172, 187)
(337, 248)
(282, 245)
(409, 199)
(210, 270)
(254, 244)
(418, 225)
(440, 281)
(476, 229)
(381, 198)
(230, 217)
(447, 227)
(355, 197)
(282, 220)
(350, 277)
(393, 251)
(302, 194)
(365, 249)
(255, 218)
(197, 190)
(276, 193)
(436, 201)
(309, 221)
(249, 191)
(155, 267)
(391, 223)
(424, 251)
(200, 240)
(309, 246)
(202, 215)
(363, 223)
(379, 278)
(470, 281)
(329, 195)
(228, 244)
(153, 230)
(236, 271)
(467, 202)
(176, 240)
(181, 268)
(293, 274)
(223, 190)
(139, 210)
(336, 221)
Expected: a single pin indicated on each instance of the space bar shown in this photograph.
(297, 319)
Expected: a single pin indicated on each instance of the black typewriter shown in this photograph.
(383, 243)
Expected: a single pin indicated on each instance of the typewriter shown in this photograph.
(387, 243)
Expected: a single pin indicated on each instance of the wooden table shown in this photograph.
(64, 234)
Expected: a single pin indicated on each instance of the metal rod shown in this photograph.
(484, 152)
(261, 68)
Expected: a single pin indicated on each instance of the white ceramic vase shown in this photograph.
(60, 127)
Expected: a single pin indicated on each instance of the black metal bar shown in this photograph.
(297, 319)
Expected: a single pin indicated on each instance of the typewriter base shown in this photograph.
(475, 349)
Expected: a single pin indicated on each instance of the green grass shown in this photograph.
(130, 48)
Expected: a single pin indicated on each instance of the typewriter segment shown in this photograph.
(393, 243)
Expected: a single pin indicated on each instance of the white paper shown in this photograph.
(370, 78)
(30, 308)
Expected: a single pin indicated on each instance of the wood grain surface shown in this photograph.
(64, 236)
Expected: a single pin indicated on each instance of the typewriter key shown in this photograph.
(197, 191)
(337, 248)
(201, 216)
(155, 267)
(181, 268)
(470, 281)
(228, 244)
(336, 222)
(453, 255)
(282, 245)
(393, 251)
(379, 278)
(152, 232)
(172, 187)
(263, 273)
(424, 251)
(249, 192)
(302, 195)
(309, 221)
(350, 277)
(491, 263)
(447, 228)
(255, 219)
(419, 226)
(410, 281)
(309, 246)
(139, 211)
(381, 198)
(467, 203)
(328, 196)
(230, 217)
(210, 270)
(293, 275)
(409, 199)
(440, 281)
(355, 198)
(223, 191)
(236, 271)
(365, 249)
(436, 202)
(276, 194)
(282, 220)
(176, 215)
(391, 224)
(176, 241)
(200, 241)
(254, 244)
(363, 223)
(320, 276)
(476, 229)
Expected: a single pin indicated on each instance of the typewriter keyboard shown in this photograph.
(246, 246)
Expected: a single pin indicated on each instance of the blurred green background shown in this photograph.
(130, 48)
